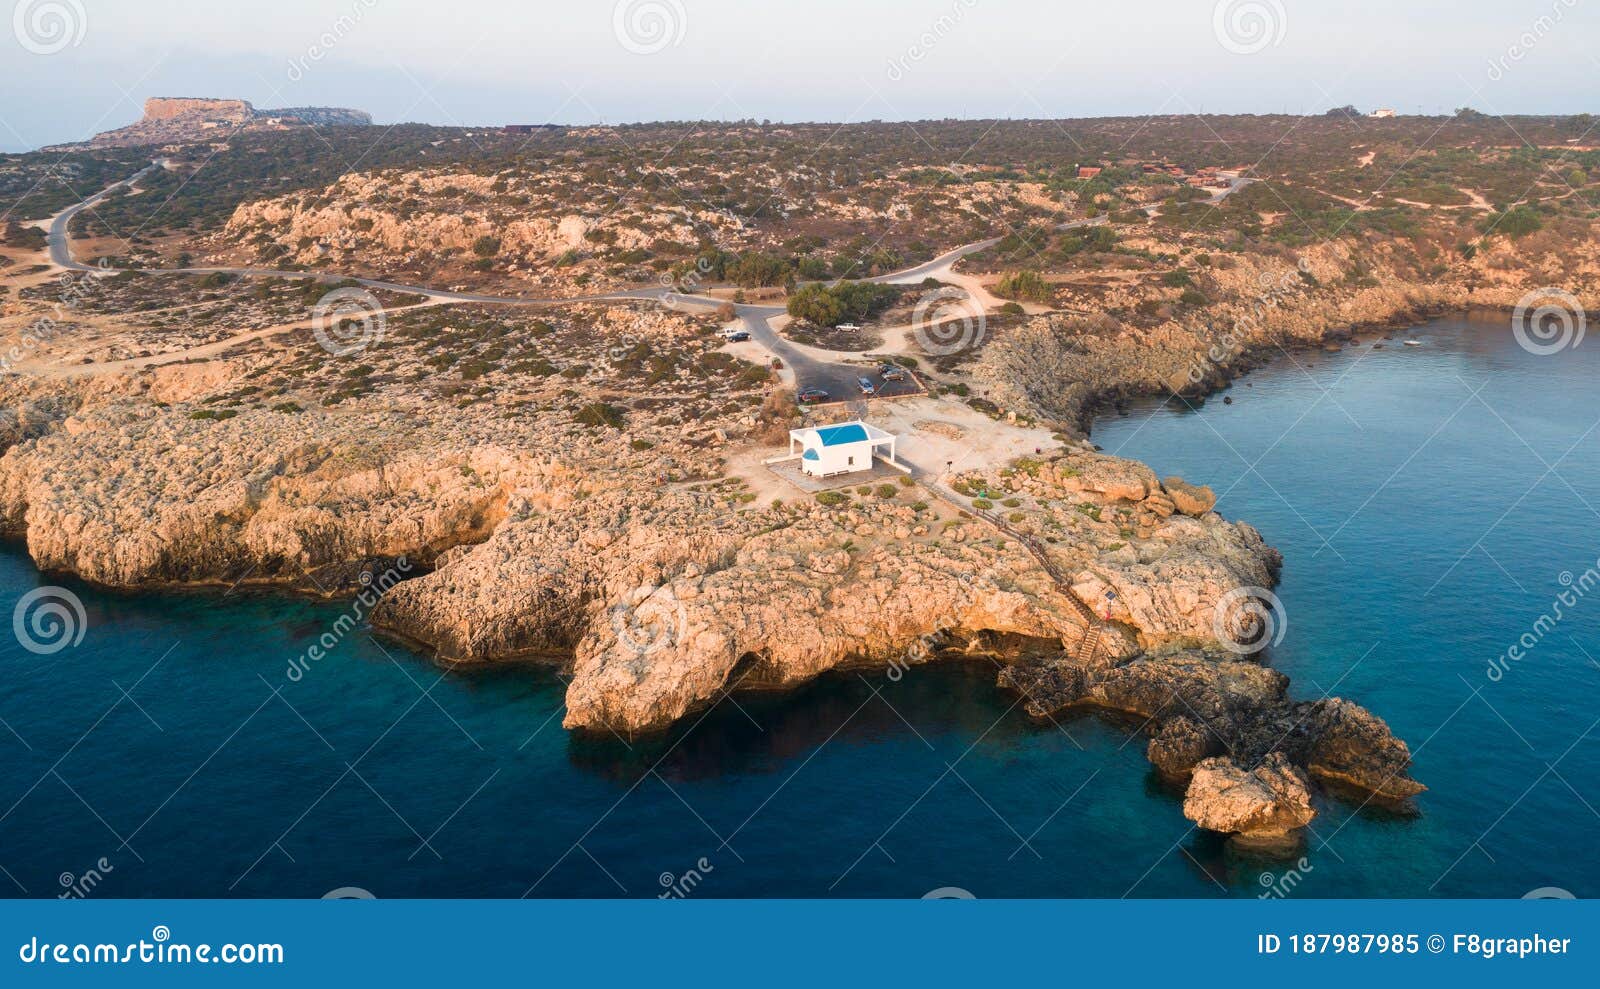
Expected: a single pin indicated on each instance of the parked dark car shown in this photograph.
(892, 372)
(738, 336)
(811, 396)
(866, 386)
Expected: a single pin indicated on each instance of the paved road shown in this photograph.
(56, 232)
(835, 377)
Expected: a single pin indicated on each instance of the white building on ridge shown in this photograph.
(840, 449)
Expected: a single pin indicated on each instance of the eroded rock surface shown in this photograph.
(1265, 804)
(545, 520)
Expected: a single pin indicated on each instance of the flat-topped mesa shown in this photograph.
(161, 108)
(165, 108)
(187, 119)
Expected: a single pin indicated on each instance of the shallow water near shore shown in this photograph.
(1427, 501)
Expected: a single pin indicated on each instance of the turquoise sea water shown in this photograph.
(1427, 501)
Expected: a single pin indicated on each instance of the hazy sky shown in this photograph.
(72, 67)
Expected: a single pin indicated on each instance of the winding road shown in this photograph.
(835, 376)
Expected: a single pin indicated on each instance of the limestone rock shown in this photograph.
(1267, 803)
(1190, 499)
(1354, 746)
(1179, 746)
(1109, 476)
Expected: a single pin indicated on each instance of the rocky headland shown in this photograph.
(183, 120)
(636, 562)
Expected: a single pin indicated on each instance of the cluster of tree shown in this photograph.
(1518, 221)
(830, 305)
(1026, 284)
(760, 269)
(17, 235)
(756, 269)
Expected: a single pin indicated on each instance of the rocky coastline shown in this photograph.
(640, 567)
(659, 601)
(1070, 368)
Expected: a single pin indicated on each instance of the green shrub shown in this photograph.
(600, 414)
(1026, 284)
(1516, 222)
(831, 498)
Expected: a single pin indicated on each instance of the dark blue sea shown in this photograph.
(1431, 503)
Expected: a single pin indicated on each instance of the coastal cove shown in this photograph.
(1426, 499)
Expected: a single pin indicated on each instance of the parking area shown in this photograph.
(837, 378)
(840, 382)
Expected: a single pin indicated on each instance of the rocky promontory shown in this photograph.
(182, 120)
(582, 487)
(658, 598)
